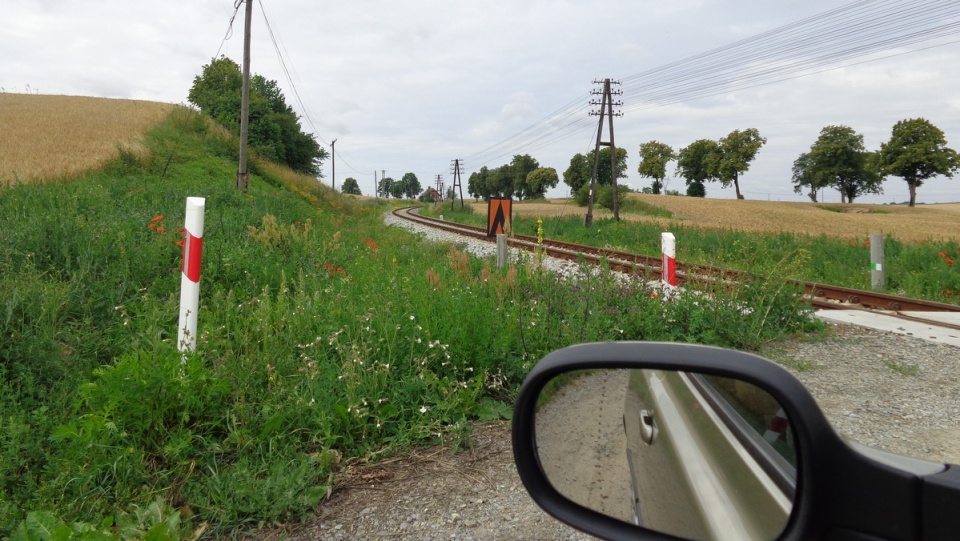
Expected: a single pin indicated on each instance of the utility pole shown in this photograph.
(606, 109)
(456, 168)
(440, 186)
(333, 157)
(376, 187)
(243, 179)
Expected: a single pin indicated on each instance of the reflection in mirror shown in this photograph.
(696, 456)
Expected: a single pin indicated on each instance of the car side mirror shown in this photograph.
(647, 440)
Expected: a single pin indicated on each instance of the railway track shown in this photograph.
(821, 296)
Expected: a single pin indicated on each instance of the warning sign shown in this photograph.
(499, 215)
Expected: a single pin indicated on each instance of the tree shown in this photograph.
(499, 181)
(697, 163)
(540, 180)
(477, 184)
(654, 157)
(520, 167)
(803, 176)
(603, 167)
(411, 186)
(737, 150)
(917, 151)
(351, 186)
(397, 189)
(275, 131)
(578, 173)
(837, 158)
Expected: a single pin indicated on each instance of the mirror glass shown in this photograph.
(693, 455)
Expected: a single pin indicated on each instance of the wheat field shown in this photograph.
(48, 138)
(917, 224)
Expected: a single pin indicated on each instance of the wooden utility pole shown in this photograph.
(243, 178)
(333, 158)
(606, 109)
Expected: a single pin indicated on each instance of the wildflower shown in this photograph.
(423, 409)
(156, 218)
(654, 295)
(942, 254)
(412, 318)
(948, 261)
(152, 226)
(160, 229)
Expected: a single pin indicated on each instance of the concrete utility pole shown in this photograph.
(243, 179)
(606, 109)
(456, 168)
(333, 157)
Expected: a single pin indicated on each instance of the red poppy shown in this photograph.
(156, 218)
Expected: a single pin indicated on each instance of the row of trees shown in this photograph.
(917, 151)
(407, 187)
(703, 161)
(522, 178)
(274, 129)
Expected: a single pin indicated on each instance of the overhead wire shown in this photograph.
(284, 60)
(825, 41)
(229, 33)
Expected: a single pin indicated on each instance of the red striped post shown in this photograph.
(668, 246)
(190, 274)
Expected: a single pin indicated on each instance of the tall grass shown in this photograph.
(923, 270)
(323, 335)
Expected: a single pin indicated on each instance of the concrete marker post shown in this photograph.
(501, 251)
(190, 275)
(668, 265)
(877, 273)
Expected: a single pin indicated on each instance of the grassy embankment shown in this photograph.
(920, 244)
(323, 337)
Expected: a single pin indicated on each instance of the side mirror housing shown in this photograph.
(839, 490)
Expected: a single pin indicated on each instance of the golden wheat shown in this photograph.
(48, 138)
(920, 223)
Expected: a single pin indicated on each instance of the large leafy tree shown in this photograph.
(411, 185)
(837, 158)
(804, 178)
(520, 167)
(917, 150)
(540, 180)
(500, 181)
(275, 130)
(654, 157)
(697, 162)
(737, 150)
(578, 173)
(477, 184)
(351, 186)
(604, 177)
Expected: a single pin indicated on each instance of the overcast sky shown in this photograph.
(409, 86)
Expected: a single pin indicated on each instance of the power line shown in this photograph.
(284, 60)
(853, 34)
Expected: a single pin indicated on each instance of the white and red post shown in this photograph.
(668, 247)
(190, 274)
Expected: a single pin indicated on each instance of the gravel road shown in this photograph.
(889, 391)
